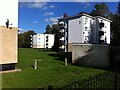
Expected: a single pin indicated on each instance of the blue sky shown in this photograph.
(37, 15)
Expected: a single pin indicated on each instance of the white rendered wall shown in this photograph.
(39, 40)
(75, 30)
(50, 41)
(87, 28)
(106, 29)
(34, 40)
(9, 10)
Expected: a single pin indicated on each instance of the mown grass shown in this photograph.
(51, 71)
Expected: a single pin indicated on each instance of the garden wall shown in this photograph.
(94, 55)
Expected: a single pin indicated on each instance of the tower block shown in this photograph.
(8, 48)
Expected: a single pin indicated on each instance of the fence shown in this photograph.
(107, 81)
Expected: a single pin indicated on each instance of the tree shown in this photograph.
(100, 10)
(20, 40)
(27, 38)
(56, 31)
(118, 11)
(48, 29)
(115, 27)
(24, 40)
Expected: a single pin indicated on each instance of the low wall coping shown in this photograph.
(85, 44)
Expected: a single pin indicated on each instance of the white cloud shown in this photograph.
(35, 22)
(20, 30)
(51, 6)
(45, 7)
(52, 20)
(86, 4)
(38, 5)
(48, 14)
(46, 20)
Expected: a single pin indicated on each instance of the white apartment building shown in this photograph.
(83, 28)
(42, 41)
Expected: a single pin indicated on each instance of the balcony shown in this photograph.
(101, 33)
(62, 31)
(101, 25)
(62, 39)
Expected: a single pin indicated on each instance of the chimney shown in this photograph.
(65, 15)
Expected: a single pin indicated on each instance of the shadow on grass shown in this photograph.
(42, 49)
(62, 55)
(32, 66)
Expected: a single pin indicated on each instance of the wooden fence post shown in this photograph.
(50, 87)
(65, 61)
(115, 81)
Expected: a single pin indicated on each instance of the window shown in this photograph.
(89, 33)
(46, 44)
(79, 22)
(86, 19)
(86, 28)
(47, 37)
(64, 24)
(101, 24)
(47, 40)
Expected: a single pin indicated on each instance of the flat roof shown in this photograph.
(103, 18)
(83, 14)
(75, 16)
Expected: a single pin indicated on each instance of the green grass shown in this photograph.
(51, 71)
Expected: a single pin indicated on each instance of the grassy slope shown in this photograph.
(51, 71)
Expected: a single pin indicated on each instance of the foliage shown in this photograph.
(20, 40)
(24, 40)
(50, 69)
(118, 11)
(115, 27)
(100, 10)
(48, 29)
(56, 31)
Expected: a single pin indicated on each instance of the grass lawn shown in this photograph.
(51, 71)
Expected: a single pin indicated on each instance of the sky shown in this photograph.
(37, 15)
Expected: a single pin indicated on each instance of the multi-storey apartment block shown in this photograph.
(8, 34)
(83, 28)
(42, 41)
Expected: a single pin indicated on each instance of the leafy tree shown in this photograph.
(56, 31)
(20, 40)
(115, 27)
(25, 39)
(100, 10)
(118, 11)
(48, 29)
